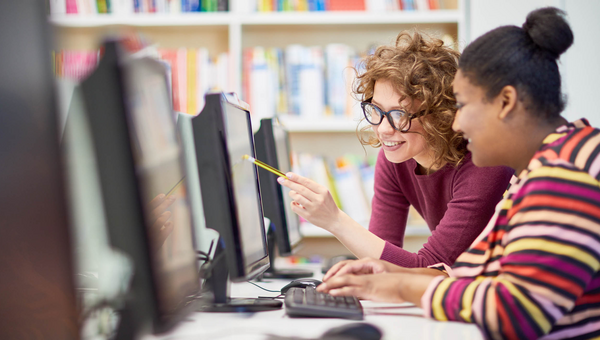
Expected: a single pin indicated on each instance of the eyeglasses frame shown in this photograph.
(387, 114)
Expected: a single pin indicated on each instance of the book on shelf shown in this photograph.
(120, 7)
(349, 179)
(307, 82)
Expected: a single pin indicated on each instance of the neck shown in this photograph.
(425, 164)
(533, 136)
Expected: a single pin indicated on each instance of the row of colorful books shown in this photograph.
(120, 7)
(74, 65)
(191, 72)
(309, 82)
(345, 5)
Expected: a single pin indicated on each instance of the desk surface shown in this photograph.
(397, 321)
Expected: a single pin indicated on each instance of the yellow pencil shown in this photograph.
(265, 166)
(174, 187)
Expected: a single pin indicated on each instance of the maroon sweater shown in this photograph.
(456, 203)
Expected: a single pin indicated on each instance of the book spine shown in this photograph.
(71, 6)
(181, 55)
(223, 5)
(191, 81)
(58, 7)
(102, 8)
(202, 76)
(247, 56)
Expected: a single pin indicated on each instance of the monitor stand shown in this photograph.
(215, 293)
(287, 273)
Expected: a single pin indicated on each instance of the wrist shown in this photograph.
(338, 224)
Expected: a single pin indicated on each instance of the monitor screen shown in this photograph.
(245, 187)
(159, 167)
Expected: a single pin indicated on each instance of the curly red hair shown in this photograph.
(420, 68)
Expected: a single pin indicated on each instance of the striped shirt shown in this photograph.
(535, 270)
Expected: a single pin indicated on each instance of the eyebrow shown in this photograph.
(398, 107)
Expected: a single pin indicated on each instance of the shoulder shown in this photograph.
(578, 146)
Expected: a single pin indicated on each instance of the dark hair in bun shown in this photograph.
(524, 58)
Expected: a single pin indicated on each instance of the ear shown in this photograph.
(508, 101)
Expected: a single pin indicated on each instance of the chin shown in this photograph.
(395, 158)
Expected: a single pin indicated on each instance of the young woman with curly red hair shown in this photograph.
(406, 93)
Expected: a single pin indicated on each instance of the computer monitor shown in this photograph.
(37, 293)
(139, 159)
(272, 147)
(205, 238)
(232, 202)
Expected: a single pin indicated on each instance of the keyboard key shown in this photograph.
(307, 302)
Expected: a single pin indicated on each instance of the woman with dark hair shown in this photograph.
(407, 98)
(535, 271)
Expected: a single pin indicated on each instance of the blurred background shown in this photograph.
(295, 59)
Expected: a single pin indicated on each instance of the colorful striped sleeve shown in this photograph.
(544, 260)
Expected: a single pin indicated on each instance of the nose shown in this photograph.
(385, 127)
(455, 124)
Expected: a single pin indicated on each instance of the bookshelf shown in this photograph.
(236, 30)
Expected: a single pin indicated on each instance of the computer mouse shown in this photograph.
(301, 283)
(351, 331)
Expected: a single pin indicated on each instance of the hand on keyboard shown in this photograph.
(308, 302)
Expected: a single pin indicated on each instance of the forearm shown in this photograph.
(413, 286)
(356, 238)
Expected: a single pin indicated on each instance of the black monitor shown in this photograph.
(139, 158)
(232, 202)
(273, 148)
(37, 293)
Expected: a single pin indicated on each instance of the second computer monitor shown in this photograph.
(230, 189)
(232, 203)
(272, 147)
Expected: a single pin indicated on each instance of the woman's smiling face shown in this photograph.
(399, 146)
(475, 118)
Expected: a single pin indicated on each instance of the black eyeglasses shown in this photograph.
(398, 119)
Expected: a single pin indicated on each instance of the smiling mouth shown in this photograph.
(391, 143)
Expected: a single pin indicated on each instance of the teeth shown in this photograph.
(469, 140)
(390, 143)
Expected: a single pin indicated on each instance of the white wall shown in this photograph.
(580, 65)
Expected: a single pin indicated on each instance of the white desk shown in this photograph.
(397, 321)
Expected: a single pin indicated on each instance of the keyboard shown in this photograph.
(307, 302)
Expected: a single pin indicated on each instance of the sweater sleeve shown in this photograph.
(475, 193)
(551, 251)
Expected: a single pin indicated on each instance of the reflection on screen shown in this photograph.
(159, 166)
(245, 187)
(283, 160)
